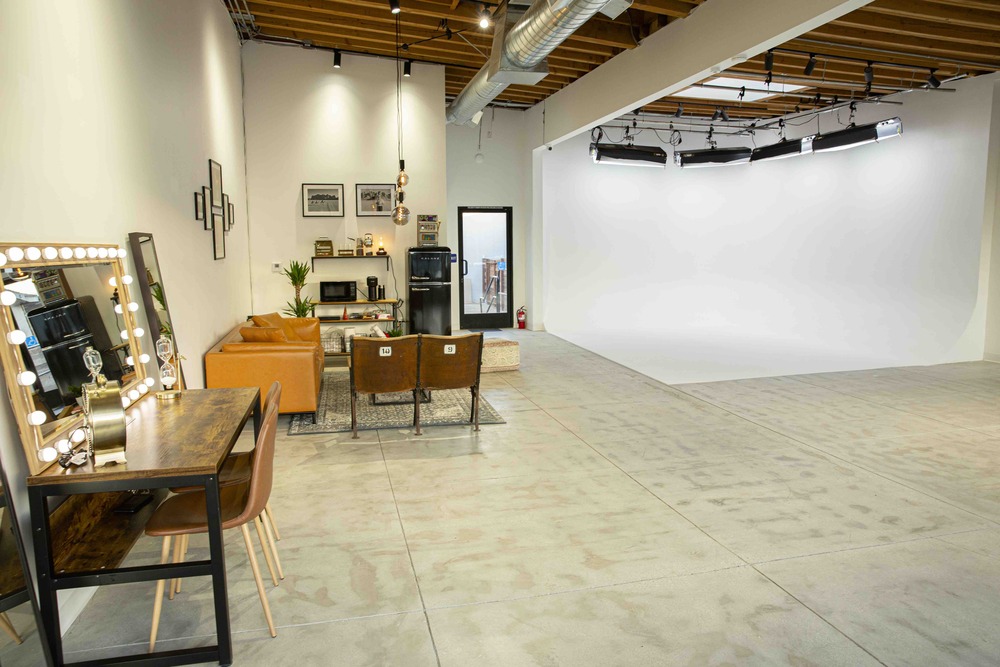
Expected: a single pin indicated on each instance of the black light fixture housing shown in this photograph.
(869, 73)
(782, 149)
(406, 67)
(717, 114)
(857, 135)
(769, 60)
(484, 18)
(336, 59)
(712, 157)
(725, 115)
(635, 156)
(933, 81)
(680, 111)
(810, 64)
(394, 6)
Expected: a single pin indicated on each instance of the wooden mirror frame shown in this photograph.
(92, 254)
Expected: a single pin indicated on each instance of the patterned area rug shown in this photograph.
(447, 406)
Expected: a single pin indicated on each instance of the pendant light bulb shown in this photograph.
(400, 215)
(484, 18)
(403, 179)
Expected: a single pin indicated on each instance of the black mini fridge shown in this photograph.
(429, 290)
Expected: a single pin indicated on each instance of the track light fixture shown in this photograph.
(712, 157)
(394, 6)
(484, 18)
(869, 73)
(782, 149)
(810, 64)
(634, 156)
(725, 115)
(857, 135)
(769, 60)
(933, 81)
(680, 111)
(717, 114)
(406, 67)
(336, 59)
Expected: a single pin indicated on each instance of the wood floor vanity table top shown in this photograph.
(84, 542)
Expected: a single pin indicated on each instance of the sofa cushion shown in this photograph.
(263, 335)
(276, 320)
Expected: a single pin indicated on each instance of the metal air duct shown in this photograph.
(544, 25)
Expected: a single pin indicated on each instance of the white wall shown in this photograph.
(309, 123)
(991, 234)
(502, 179)
(863, 258)
(111, 111)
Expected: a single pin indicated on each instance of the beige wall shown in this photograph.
(990, 275)
(310, 123)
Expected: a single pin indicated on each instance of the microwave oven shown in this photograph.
(338, 290)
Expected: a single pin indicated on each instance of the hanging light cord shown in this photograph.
(399, 98)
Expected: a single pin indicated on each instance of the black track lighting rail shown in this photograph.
(881, 63)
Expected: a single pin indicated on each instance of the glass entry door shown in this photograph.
(484, 253)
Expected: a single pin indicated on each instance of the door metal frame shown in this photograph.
(485, 320)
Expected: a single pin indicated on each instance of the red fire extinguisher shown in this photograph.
(522, 317)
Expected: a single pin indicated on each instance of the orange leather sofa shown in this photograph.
(296, 364)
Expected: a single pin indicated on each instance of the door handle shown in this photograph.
(420, 289)
(465, 267)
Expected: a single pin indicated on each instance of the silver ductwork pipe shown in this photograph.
(545, 25)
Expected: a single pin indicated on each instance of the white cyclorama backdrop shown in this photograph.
(863, 258)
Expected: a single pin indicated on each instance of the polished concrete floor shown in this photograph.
(834, 519)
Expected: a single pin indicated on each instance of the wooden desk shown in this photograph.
(170, 444)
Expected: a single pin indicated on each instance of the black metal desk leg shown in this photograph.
(48, 599)
(217, 554)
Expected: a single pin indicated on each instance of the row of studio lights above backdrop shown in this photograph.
(605, 149)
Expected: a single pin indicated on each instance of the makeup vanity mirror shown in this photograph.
(57, 301)
(154, 296)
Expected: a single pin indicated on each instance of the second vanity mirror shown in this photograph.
(154, 297)
(57, 301)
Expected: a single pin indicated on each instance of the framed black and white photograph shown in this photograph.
(375, 199)
(215, 183)
(219, 235)
(206, 204)
(322, 200)
(199, 206)
(232, 219)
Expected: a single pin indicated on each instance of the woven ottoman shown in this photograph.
(500, 354)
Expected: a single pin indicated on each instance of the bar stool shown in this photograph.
(184, 514)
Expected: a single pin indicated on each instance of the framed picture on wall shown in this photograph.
(225, 213)
(206, 202)
(219, 235)
(375, 199)
(215, 182)
(199, 206)
(322, 200)
(232, 219)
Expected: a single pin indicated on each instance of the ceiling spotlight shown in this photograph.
(769, 60)
(635, 156)
(484, 18)
(712, 157)
(680, 111)
(858, 135)
(810, 64)
(336, 59)
(869, 73)
(406, 67)
(932, 80)
(394, 6)
(717, 114)
(782, 149)
(725, 115)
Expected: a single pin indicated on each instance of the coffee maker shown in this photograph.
(372, 288)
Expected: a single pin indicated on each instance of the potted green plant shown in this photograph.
(296, 273)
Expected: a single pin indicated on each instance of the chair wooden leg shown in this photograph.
(264, 547)
(354, 415)
(158, 601)
(270, 520)
(8, 627)
(475, 405)
(175, 584)
(416, 410)
(270, 542)
(256, 577)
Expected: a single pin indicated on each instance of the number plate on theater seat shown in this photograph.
(385, 352)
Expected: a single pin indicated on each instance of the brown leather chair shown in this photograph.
(375, 372)
(236, 470)
(452, 362)
(184, 514)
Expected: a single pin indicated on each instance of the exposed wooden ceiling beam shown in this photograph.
(675, 8)
(959, 16)
(894, 25)
(930, 47)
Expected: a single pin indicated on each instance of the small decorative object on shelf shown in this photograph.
(381, 248)
(168, 374)
(104, 414)
(323, 247)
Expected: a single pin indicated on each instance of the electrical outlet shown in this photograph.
(449, 349)
(275, 267)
